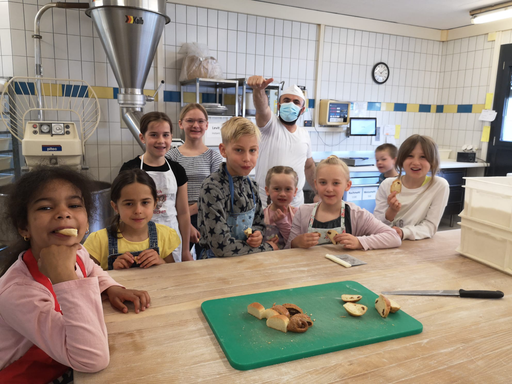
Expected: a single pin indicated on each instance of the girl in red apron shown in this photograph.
(51, 316)
(334, 221)
(133, 240)
(170, 178)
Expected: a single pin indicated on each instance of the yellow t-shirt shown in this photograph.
(97, 244)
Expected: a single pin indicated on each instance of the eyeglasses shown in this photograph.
(192, 121)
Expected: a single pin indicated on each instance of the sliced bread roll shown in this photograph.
(72, 232)
(256, 309)
(279, 322)
(383, 306)
(269, 313)
(395, 307)
(354, 309)
(331, 233)
(282, 310)
(351, 298)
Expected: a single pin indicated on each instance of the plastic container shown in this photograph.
(489, 200)
(444, 154)
(4, 143)
(487, 244)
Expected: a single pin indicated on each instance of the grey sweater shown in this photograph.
(214, 207)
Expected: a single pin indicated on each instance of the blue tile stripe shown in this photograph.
(399, 107)
(373, 106)
(440, 109)
(464, 108)
(425, 108)
(24, 88)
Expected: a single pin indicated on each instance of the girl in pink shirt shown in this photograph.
(51, 316)
(281, 188)
(356, 228)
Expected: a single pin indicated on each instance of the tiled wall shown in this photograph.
(422, 71)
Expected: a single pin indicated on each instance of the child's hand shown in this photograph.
(124, 261)
(195, 235)
(118, 295)
(273, 242)
(255, 239)
(348, 241)
(57, 262)
(393, 202)
(399, 231)
(148, 258)
(306, 240)
(278, 215)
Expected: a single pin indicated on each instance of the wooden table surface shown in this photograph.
(463, 340)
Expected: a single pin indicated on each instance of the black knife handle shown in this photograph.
(481, 294)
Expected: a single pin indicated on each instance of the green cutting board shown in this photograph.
(248, 343)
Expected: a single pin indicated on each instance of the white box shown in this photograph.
(5, 162)
(489, 200)
(5, 179)
(4, 143)
(444, 154)
(487, 244)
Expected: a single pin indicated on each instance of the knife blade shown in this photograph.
(461, 293)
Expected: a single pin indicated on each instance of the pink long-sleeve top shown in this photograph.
(371, 233)
(285, 224)
(76, 338)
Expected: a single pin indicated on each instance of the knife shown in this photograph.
(460, 293)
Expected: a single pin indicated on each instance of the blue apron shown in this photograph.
(114, 253)
(237, 222)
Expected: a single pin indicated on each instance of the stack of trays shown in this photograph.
(214, 108)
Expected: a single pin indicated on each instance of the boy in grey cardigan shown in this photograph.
(229, 203)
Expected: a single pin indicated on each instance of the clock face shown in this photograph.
(380, 73)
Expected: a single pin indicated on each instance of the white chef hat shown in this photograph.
(294, 90)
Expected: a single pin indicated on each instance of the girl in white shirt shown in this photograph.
(415, 211)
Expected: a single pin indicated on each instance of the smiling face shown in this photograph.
(194, 124)
(241, 155)
(158, 139)
(416, 165)
(331, 183)
(57, 206)
(281, 190)
(135, 205)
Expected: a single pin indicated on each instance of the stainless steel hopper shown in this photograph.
(130, 31)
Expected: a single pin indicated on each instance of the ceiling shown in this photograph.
(437, 14)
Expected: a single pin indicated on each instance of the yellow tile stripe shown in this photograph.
(413, 108)
(450, 108)
(477, 108)
(387, 106)
(51, 89)
(103, 92)
(433, 108)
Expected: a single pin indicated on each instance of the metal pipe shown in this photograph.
(131, 117)
(37, 46)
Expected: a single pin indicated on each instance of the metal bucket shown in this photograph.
(101, 218)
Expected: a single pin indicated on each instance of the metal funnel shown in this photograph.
(129, 31)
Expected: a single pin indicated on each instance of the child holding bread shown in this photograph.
(332, 220)
(51, 317)
(229, 203)
(413, 203)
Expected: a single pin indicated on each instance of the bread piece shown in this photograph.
(297, 324)
(282, 310)
(256, 309)
(293, 309)
(248, 232)
(351, 298)
(396, 186)
(73, 232)
(383, 306)
(268, 313)
(395, 307)
(331, 233)
(279, 322)
(354, 309)
(305, 317)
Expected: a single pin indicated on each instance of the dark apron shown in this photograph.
(114, 253)
(35, 366)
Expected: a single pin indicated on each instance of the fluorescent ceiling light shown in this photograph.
(493, 13)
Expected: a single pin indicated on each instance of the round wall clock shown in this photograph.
(380, 73)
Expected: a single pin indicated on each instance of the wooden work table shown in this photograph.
(463, 340)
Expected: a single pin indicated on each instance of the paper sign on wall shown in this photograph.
(391, 140)
(389, 130)
(486, 133)
(397, 131)
(369, 193)
(355, 194)
(212, 136)
(378, 139)
(488, 115)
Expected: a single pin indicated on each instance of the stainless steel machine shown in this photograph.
(130, 31)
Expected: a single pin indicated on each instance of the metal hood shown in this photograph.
(130, 31)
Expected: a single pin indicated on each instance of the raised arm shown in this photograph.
(263, 112)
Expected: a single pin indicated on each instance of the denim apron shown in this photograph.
(238, 222)
(324, 239)
(113, 252)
